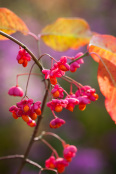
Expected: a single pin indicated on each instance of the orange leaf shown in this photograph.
(10, 23)
(105, 47)
(107, 83)
(66, 33)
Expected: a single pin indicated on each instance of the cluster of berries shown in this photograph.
(23, 57)
(82, 97)
(60, 67)
(60, 163)
(27, 110)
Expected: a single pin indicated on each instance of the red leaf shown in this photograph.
(107, 84)
(105, 47)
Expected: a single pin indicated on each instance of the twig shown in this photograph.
(49, 145)
(54, 170)
(84, 55)
(20, 157)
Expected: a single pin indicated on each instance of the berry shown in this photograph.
(32, 124)
(56, 123)
(56, 94)
(50, 163)
(15, 91)
(96, 96)
(69, 152)
(38, 111)
(58, 108)
(26, 108)
(33, 116)
(57, 105)
(60, 164)
(23, 57)
(53, 80)
(76, 64)
(70, 107)
(82, 107)
(25, 118)
(62, 64)
(57, 91)
(14, 115)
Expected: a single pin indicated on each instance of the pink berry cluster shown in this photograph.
(83, 96)
(60, 163)
(23, 57)
(60, 67)
(27, 110)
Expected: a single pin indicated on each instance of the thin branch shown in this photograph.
(45, 54)
(21, 157)
(49, 145)
(29, 78)
(84, 55)
(54, 135)
(72, 81)
(54, 170)
(18, 75)
(33, 35)
(35, 130)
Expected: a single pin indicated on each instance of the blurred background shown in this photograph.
(92, 131)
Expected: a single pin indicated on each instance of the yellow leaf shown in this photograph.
(10, 23)
(66, 33)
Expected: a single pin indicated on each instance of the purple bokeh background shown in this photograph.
(92, 131)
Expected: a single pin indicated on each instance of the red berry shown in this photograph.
(20, 61)
(14, 115)
(32, 124)
(58, 108)
(56, 94)
(82, 107)
(25, 63)
(25, 118)
(96, 96)
(38, 111)
(53, 80)
(33, 116)
(26, 108)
